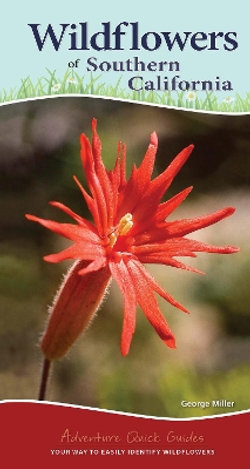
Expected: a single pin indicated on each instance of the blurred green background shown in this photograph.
(39, 153)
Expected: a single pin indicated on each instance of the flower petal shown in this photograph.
(101, 172)
(94, 183)
(185, 226)
(166, 208)
(121, 275)
(91, 204)
(68, 230)
(148, 303)
(164, 180)
(139, 180)
(197, 246)
(170, 230)
(147, 165)
(149, 202)
(156, 287)
(115, 179)
(157, 258)
(87, 197)
(180, 247)
(84, 251)
(94, 266)
(74, 215)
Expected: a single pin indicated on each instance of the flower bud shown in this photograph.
(74, 307)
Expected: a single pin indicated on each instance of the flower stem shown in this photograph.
(44, 379)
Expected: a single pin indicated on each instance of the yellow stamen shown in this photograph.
(112, 239)
(124, 226)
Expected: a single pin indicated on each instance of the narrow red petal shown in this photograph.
(156, 287)
(94, 183)
(114, 176)
(101, 171)
(179, 247)
(121, 275)
(72, 252)
(148, 303)
(99, 196)
(94, 266)
(171, 247)
(165, 231)
(86, 156)
(147, 165)
(74, 215)
(92, 205)
(85, 251)
(197, 246)
(165, 259)
(166, 208)
(164, 179)
(185, 226)
(96, 142)
(139, 179)
(88, 199)
(115, 173)
(159, 185)
(68, 230)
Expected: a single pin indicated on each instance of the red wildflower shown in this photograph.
(129, 229)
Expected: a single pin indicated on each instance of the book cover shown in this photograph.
(124, 249)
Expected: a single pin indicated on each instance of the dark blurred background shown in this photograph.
(39, 153)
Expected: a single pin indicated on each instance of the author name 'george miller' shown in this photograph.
(220, 403)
